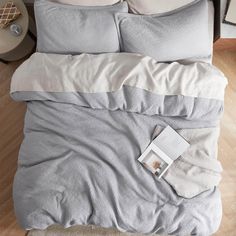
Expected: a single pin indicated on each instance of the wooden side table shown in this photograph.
(13, 48)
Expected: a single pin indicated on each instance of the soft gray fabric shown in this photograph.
(85, 128)
(211, 16)
(175, 36)
(79, 166)
(88, 2)
(199, 159)
(76, 29)
(140, 101)
(197, 163)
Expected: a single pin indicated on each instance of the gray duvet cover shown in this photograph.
(88, 120)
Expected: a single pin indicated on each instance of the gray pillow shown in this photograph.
(69, 29)
(174, 36)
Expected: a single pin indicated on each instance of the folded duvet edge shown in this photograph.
(110, 72)
(89, 73)
(198, 162)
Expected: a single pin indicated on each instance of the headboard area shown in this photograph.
(217, 22)
(217, 12)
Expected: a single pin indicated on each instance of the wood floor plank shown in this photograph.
(11, 124)
(225, 45)
(226, 61)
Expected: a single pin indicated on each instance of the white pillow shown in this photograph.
(147, 7)
(88, 2)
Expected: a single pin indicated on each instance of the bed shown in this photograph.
(105, 81)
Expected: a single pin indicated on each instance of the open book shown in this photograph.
(163, 151)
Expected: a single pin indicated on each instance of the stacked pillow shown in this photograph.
(147, 7)
(177, 31)
(178, 35)
(69, 29)
(88, 2)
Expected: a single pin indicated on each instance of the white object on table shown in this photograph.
(11, 47)
(227, 30)
(231, 13)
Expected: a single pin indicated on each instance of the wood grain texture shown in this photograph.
(226, 61)
(11, 125)
(225, 45)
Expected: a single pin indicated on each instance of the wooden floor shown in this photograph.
(11, 124)
(226, 61)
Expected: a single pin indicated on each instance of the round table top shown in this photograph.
(8, 42)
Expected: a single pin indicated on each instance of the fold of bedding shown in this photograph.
(89, 118)
(105, 73)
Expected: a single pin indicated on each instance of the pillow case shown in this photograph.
(88, 2)
(177, 36)
(148, 7)
(68, 29)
